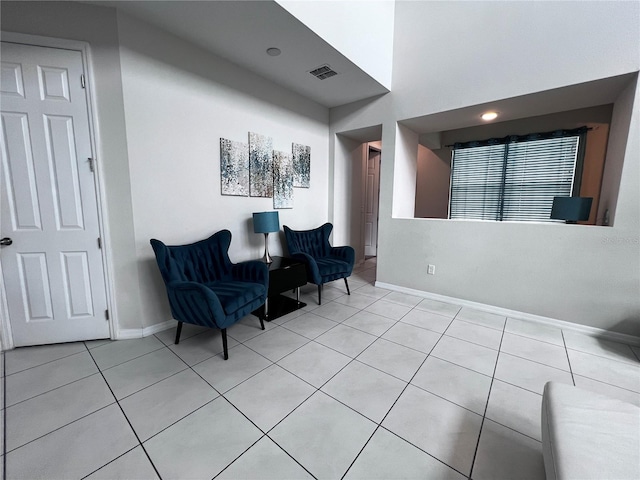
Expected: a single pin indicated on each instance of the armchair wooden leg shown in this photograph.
(319, 294)
(347, 284)
(224, 343)
(178, 332)
(263, 316)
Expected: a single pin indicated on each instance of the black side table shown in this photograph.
(284, 274)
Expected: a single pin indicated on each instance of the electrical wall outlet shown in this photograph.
(431, 269)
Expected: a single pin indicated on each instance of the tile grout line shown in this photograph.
(110, 462)
(468, 341)
(49, 391)
(566, 351)
(44, 363)
(604, 357)
(125, 416)
(129, 360)
(484, 415)
(537, 362)
(317, 389)
(60, 427)
(100, 370)
(150, 385)
(379, 424)
(222, 395)
(291, 456)
(529, 337)
(264, 434)
(352, 359)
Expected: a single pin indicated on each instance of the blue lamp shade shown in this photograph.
(571, 209)
(266, 222)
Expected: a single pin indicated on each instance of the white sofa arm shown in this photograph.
(587, 435)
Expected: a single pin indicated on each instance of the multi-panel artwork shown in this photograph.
(301, 165)
(282, 180)
(234, 168)
(260, 165)
(256, 170)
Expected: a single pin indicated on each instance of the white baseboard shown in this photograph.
(505, 312)
(129, 333)
(159, 327)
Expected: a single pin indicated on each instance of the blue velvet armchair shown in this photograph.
(324, 262)
(206, 289)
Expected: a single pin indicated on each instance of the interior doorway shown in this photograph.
(356, 192)
(371, 201)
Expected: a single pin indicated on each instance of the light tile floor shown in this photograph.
(378, 384)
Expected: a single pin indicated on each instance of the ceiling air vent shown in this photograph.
(323, 71)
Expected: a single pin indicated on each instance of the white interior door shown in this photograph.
(372, 189)
(52, 271)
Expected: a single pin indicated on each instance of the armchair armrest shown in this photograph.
(253, 271)
(347, 253)
(313, 272)
(192, 302)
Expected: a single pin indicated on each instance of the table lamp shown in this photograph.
(266, 222)
(571, 209)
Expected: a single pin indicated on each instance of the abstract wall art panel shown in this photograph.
(301, 165)
(234, 168)
(260, 165)
(282, 180)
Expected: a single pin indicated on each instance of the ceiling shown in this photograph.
(241, 31)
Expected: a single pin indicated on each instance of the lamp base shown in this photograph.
(266, 258)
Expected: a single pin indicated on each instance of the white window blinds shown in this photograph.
(512, 181)
(476, 182)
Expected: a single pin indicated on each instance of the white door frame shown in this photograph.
(6, 337)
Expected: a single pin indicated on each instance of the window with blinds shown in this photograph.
(513, 179)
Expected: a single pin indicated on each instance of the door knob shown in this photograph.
(6, 241)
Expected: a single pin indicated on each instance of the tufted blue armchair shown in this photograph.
(324, 262)
(206, 289)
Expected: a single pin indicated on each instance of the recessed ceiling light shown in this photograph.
(488, 116)
(273, 51)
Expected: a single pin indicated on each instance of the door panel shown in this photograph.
(77, 284)
(12, 79)
(54, 83)
(63, 166)
(34, 286)
(53, 272)
(18, 167)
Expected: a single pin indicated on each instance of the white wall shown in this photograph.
(347, 187)
(97, 26)
(432, 183)
(404, 178)
(621, 132)
(455, 54)
(361, 30)
(585, 275)
(179, 101)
